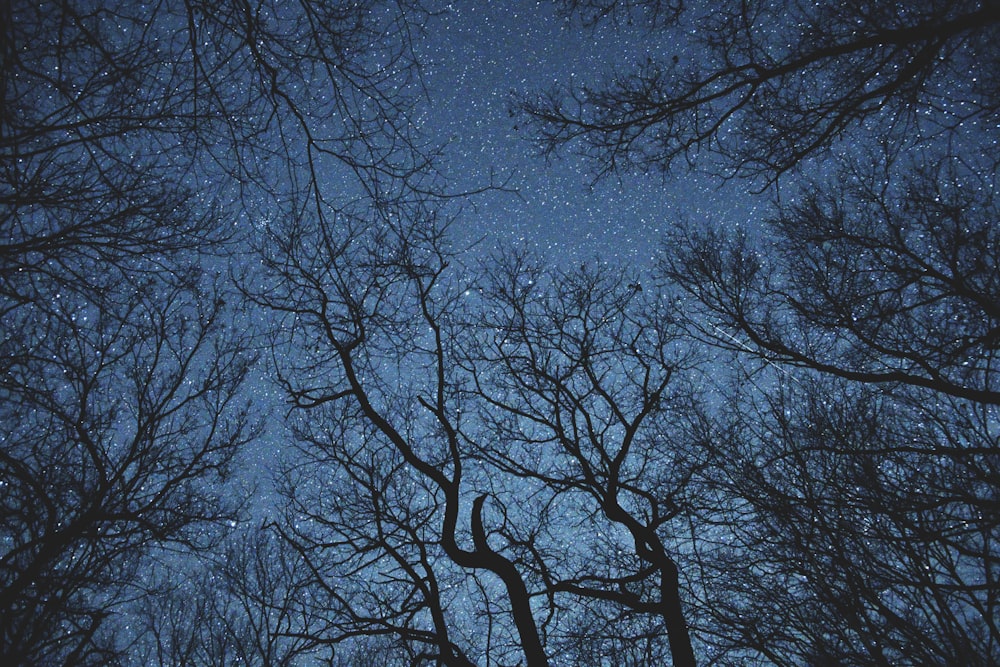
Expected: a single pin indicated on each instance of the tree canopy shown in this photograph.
(778, 444)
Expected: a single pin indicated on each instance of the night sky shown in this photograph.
(477, 56)
(477, 59)
(219, 219)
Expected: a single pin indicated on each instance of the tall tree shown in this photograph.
(119, 425)
(885, 474)
(506, 458)
(138, 143)
(867, 531)
(120, 368)
(853, 517)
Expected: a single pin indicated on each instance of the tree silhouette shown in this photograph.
(766, 86)
(891, 282)
(851, 518)
(119, 426)
(875, 486)
(866, 533)
(246, 604)
(507, 455)
(138, 141)
(778, 447)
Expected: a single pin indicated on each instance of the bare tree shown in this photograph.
(848, 515)
(120, 364)
(879, 485)
(884, 281)
(137, 143)
(367, 536)
(581, 376)
(503, 459)
(245, 604)
(852, 527)
(119, 426)
(763, 86)
(366, 291)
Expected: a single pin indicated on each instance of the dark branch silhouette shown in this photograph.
(777, 85)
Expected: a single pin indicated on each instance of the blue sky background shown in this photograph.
(477, 55)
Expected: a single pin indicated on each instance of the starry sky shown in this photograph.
(477, 56)
(476, 59)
